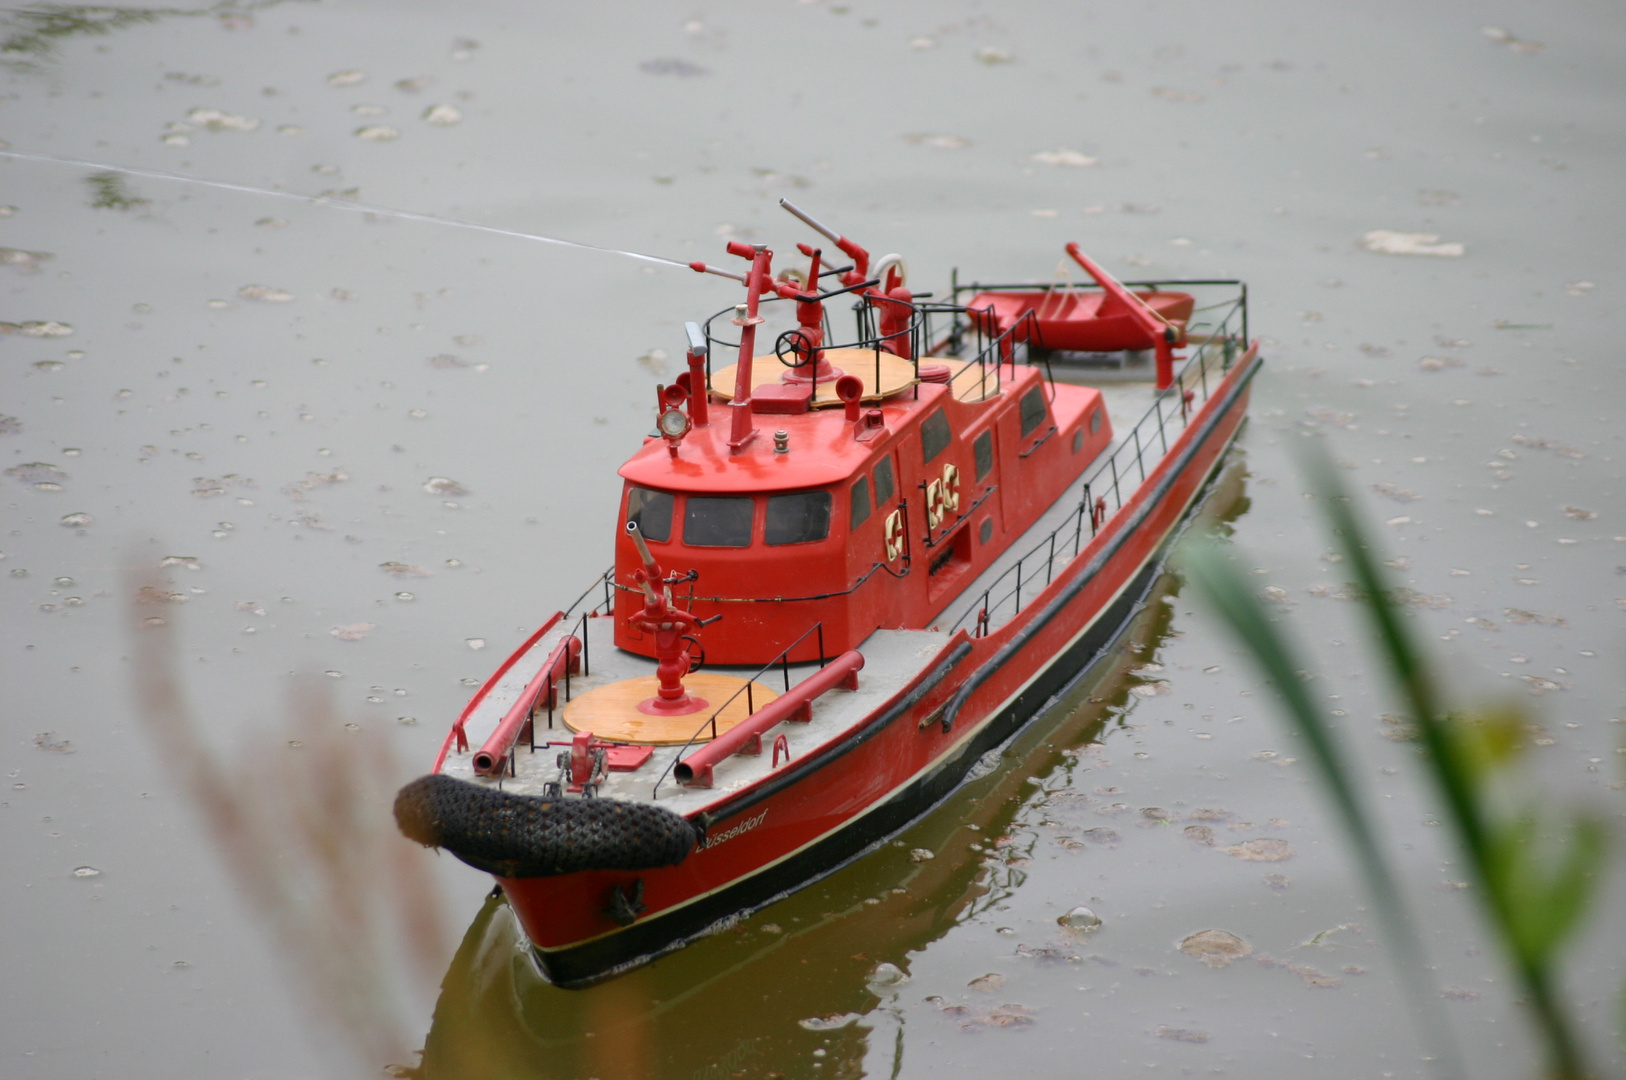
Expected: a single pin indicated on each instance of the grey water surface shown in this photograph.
(341, 461)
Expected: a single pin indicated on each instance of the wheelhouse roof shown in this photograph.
(822, 453)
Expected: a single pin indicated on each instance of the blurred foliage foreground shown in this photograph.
(1506, 829)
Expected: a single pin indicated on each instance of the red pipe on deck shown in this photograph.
(491, 758)
(795, 704)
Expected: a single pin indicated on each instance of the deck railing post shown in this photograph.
(1117, 496)
(1140, 461)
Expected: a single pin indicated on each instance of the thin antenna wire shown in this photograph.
(337, 204)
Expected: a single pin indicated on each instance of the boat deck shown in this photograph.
(891, 658)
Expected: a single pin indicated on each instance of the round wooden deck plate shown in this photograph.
(896, 374)
(611, 712)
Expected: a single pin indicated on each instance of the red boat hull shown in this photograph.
(838, 801)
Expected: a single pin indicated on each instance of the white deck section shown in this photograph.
(891, 658)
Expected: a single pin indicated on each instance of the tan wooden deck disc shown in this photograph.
(974, 382)
(896, 374)
(611, 712)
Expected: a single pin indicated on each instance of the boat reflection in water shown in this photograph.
(759, 998)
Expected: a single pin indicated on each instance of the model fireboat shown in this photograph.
(845, 570)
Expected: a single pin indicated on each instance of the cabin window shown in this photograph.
(797, 519)
(1078, 441)
(884, 487)
(711, 521)
(652, 510)
(982, 448)
(1033, 411)
(934, 435)
(860, 502)
(1095, 420)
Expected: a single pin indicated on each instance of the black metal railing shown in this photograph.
(1217, 345)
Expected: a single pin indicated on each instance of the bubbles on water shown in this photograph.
(37, 329)
(1389, 242)
(353, 632)
(52, 743)
(40, 475)
(347, 78)
(370, 110)
(334, 674)
(26, 261)
(406, 721)
(76, 520)
(377, 133)
(1260, 850)
(405, 597)
(920, 855)
(215, 120)
(1065, 158)
(266, 293)
(442, 115)
(938, 142)
(833, 1022)
(1216, 948)
(475, 643)
(415, 84)
(86, 871)
(441, 485)
(403, 570)
(469, 682)
(1081, 919)
(886, 975)
(191, 562)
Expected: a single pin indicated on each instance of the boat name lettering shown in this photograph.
(745, 826)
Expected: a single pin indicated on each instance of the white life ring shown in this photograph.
(951, 488)
(934, 504)
(894, 535)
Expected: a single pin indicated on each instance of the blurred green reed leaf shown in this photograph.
(1537, 877)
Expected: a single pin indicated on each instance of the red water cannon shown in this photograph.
(672, 628)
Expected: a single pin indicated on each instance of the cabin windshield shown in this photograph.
(718, 521)
(799, 518)
(652, 511)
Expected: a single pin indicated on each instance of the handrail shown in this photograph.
(498, 750)
(1192, 378)
(783, 659)
(696, 769)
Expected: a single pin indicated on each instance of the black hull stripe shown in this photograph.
(606, 956)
